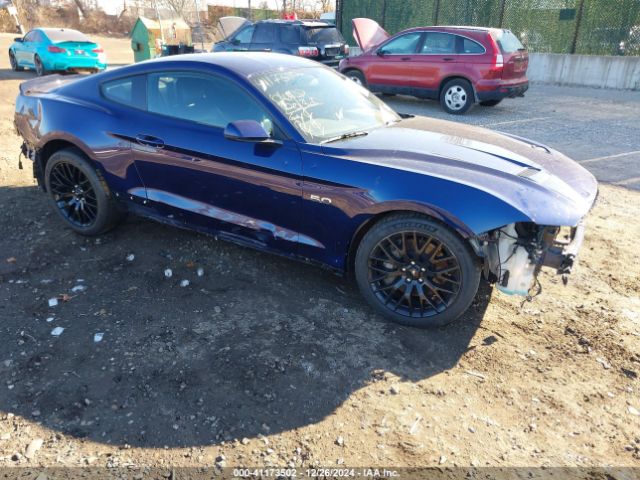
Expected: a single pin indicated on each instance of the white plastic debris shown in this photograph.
(49, 319)
(56, 332)
(33, 448)
(53, 302)
(184, 283)
(130, 257)
(200, 271)
(78, 288)
(97, 338)
(168, 273)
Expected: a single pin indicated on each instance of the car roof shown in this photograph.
(456, 27)
(304, 23)
(57, 34)
(240, 63)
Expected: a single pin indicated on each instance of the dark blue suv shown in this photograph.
(306, 38)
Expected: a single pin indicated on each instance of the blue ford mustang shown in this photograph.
(284, 155)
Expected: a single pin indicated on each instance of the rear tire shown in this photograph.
(357, 77)
(39, 66)
(416, 271)
(14, 63)
(456, 97)
(490, 103)
(79, 194)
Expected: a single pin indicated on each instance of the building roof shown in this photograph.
(151, 24)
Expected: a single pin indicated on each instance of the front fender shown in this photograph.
(341, 195)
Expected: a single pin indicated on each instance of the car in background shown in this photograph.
(56, 50)
(458, 66)
(286, 155)
(312, 39)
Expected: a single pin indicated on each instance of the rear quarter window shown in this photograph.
(290, 35)
(508, 42)
(129, 91)
(323, 35)
(469, 46)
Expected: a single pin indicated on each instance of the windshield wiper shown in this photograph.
(346, 135)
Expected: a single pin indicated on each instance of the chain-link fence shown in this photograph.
(597, 27)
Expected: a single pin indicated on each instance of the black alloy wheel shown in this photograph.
(73, 194)
(80, 194)
(416, 271)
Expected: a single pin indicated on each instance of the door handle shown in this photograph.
(150, 141)
(404, 59)
(448, 59)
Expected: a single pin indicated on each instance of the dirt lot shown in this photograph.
(262, 361)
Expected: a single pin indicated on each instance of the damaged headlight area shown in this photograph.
(515, 253)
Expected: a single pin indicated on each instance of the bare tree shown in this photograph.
(81, 7)
(180, 7)
(27, 12)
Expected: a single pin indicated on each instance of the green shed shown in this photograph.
(147, 36)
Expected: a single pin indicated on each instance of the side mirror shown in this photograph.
(18, 39)
(247, 131)
(235, 41)
(381, 52)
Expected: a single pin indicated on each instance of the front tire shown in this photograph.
(456, 97)
(79, 194)
(416, 271)
(357, 77)
(39, 66)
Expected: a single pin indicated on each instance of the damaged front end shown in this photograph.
(515, 253)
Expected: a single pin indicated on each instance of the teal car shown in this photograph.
(56, 50)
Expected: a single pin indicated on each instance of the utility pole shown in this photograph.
(200, 24)
(155, 6)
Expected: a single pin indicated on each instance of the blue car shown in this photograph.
(285, 155)
(48, 50)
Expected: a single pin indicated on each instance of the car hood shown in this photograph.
(368, 33)
(545, 185)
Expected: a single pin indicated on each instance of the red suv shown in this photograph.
(456, 65)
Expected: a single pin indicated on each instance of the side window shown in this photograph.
(264, 33)
(436, 43)
(289, 35)
(244, 35)
(203, 99)
(470, 46)
(129, 91)
(30, 36)
(405, 44)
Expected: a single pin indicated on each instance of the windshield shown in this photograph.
(322, 104)
(322, 35)
(508, 42)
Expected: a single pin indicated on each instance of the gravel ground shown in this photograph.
(261, 361)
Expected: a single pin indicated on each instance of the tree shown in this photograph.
(81, 7)
(179, 7)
